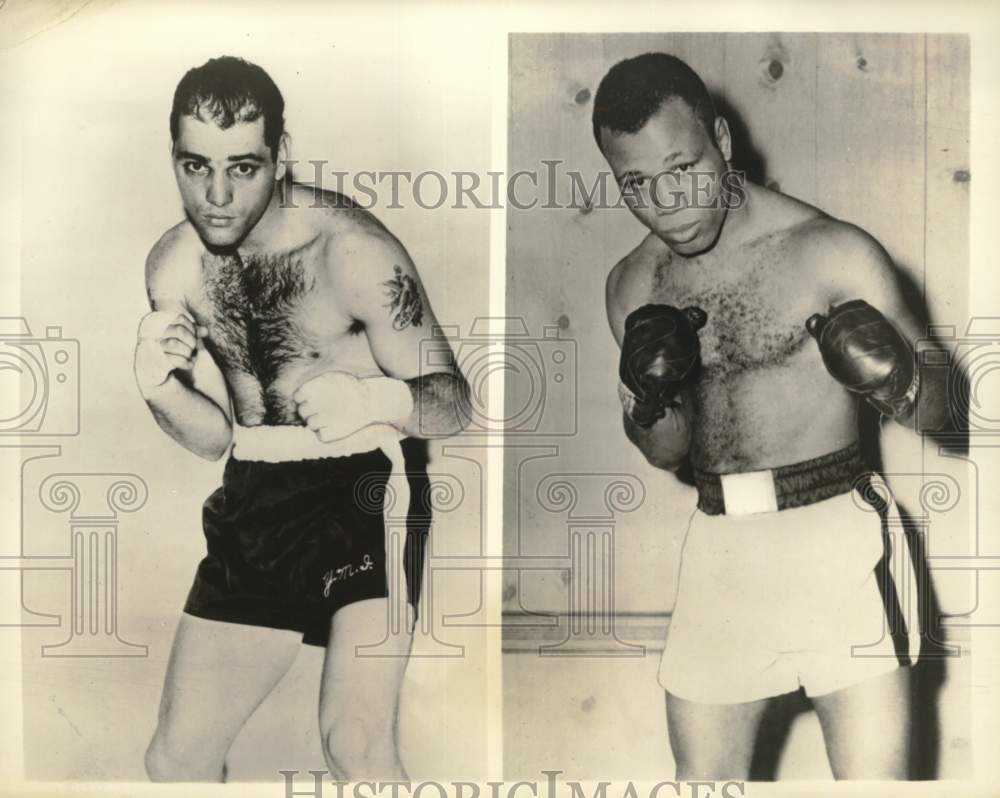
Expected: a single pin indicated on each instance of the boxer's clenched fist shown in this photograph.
(336, 404)
(167, 340)
(660, 355)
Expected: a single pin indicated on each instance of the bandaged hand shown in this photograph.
(167, 340)
(336, 404)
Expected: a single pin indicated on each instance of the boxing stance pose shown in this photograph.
(285, 331)
(750, 323)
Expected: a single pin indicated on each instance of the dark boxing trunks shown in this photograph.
(290, 543)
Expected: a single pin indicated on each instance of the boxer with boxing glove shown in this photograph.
(286, 332)
(784, 568)
(660, 356)
(865, 353)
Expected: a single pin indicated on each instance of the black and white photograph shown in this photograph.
(755, 246)
(426, 399)
(234, 470)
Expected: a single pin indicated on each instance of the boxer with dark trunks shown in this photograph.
(750, 324)
(285, 331)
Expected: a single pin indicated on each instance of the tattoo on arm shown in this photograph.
(404, 302)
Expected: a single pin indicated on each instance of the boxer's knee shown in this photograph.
(173, 761)
(361, 751)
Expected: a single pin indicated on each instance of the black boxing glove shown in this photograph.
(865, 353)
(660, 355)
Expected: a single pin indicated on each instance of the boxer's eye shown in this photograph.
(195, 168)
(244, 170)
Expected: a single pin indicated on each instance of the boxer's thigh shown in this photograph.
(218, 674)
(867, 727)
(363, 669)
(713, 741)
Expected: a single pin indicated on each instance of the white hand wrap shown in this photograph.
(152, 366)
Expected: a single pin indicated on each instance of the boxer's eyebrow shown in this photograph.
(190, 156)
(246, 157)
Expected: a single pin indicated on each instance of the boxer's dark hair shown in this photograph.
(636, 88)
(228, 90)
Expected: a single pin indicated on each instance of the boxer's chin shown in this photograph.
(696, 246)
(220, 238)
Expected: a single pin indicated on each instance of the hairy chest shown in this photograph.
(268, 311)
(756, 313)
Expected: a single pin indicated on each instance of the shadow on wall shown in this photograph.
(928, 675)
(745, 155)
(926, 680)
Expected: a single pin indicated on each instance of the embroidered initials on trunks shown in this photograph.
(343, 572)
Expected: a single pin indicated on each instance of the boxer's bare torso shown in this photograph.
(764, 398)
(276, 315)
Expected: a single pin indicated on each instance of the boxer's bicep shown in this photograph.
(628, 287)
(614, 304)
(385, 293)
(878, 281)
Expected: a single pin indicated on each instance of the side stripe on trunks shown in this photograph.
(895, 618)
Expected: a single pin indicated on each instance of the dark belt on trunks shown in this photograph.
(781, 488)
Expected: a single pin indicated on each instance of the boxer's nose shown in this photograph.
(220, 193)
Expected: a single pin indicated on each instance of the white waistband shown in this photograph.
(284, 443)
(749, 492)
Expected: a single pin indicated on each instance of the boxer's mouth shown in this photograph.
(219, 221)
(684, 232)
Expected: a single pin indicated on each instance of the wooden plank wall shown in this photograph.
(873, 129)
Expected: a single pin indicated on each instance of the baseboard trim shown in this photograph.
(624, 634)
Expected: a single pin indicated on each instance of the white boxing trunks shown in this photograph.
(784, 585)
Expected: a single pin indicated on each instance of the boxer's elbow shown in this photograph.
(665, 445)
(213, 453)
(671, 464)
(211, 446)
(441, 405)
(666, 459)
(462, 403)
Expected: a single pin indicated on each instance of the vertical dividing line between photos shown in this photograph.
(984, 71)
(495, 460)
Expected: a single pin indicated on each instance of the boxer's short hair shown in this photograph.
(228, 90)
(636, 88)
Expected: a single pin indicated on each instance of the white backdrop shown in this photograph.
(90, 189)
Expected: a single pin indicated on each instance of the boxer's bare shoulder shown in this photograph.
(847, 263)
(369, 269)
(173, 275)
(629, 284)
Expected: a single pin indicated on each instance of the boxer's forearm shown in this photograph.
(190, 418)
(440, 405)
(931, 413)
(666, 443)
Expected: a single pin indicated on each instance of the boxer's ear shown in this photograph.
(722, 138)
(281, 158)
